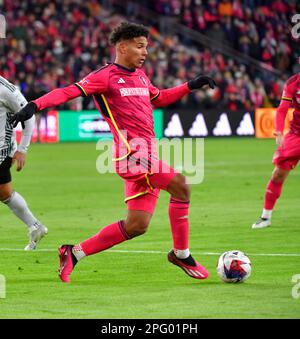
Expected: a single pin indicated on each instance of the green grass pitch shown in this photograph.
(134, 279)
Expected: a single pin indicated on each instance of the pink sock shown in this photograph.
(273, 192)
(108, 236)
(178, 213)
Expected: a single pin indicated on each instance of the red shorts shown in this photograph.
(143, 182)
(287, 156)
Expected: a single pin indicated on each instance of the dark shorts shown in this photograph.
(5, 176)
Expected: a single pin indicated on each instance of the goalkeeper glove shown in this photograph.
(200, 81)
(24, 114)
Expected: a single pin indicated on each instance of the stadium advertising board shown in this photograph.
(213, 123)
(48, 129)
(82, 126)
(79, 126)
(265, 122)
(90, 125)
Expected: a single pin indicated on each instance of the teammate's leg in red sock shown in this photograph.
(272, 194)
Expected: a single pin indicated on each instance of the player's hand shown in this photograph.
(24, 114)
(279, 138)
(19, 158)
(200, 81)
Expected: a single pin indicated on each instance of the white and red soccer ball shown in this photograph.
(234, 266)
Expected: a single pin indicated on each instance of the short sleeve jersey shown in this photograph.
(123, 97)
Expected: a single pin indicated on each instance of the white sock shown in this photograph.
(267, 214)
(78, 252)
(182, 254)
(19, 207)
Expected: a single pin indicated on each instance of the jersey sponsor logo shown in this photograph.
(125, 92)
(121, 81)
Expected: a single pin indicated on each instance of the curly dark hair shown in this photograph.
(128, 31)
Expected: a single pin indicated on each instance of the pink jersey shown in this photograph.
(291, 94)
(123, 96)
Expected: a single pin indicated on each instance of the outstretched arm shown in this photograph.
(168, 96)
(57, 97)
(54, 98)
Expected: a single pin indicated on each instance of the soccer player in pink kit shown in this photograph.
(287, 154)
(124, 96)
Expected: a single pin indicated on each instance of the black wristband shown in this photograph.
(31, 107)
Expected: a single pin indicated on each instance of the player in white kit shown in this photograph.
(12, 100)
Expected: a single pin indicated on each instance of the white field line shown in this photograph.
(158, 252)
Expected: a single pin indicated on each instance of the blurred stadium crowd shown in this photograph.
(53, 44)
